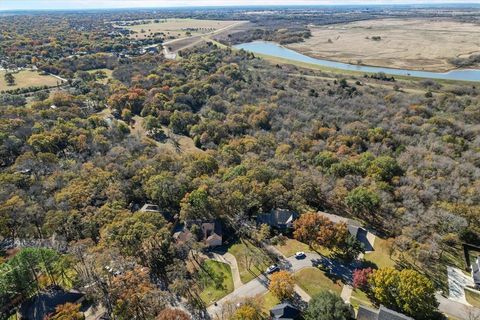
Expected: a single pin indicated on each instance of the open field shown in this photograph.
(417, 44)
(177, 28)
(28, 78)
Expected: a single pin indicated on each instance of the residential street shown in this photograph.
(259, 285)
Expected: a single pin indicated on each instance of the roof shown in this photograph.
(278, 218)
(147, 207)
(284, 311)
(212, 230)
(476, 271)
(387, 314)
(365, 313)
(44, 303)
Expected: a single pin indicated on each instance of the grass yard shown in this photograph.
(211, 290)
(291, 246)
(269, 301)
(359, 298)
(252, 261)
(473, 297)
(28, 78)
(380, 256)
(313, 280)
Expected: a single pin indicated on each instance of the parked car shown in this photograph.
(300, 255)
(273, 268)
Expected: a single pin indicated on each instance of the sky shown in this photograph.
(93, 4)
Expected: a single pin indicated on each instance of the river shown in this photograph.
(276, 50)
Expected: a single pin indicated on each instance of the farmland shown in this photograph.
(418, 44)
(177, 28)
(28, 78)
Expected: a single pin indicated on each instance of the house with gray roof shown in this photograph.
(285, 311)
(278, 218)
(365, 313)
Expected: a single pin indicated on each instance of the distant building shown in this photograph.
(278, 218)
(285, 311)
(147, 207)
(365, 313)
(476, 272)
(44, 303)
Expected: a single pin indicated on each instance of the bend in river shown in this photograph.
(276, 50)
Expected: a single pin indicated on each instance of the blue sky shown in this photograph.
(88, 4)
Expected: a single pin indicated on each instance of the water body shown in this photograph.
(276, 50)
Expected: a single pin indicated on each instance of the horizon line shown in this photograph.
(248, 6)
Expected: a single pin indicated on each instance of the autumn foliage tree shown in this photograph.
(134, 296)
(172, 314)
(406, 291)
(67, 311)
(360, 278)
(282, 285)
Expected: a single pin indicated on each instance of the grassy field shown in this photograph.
(252, 261)
(418, 44)
(473, 297)
(211, 292)
(27, 78)
(178, 28)
(313, 280)
(380, 256)
(108, 72)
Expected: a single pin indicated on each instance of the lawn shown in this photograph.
(380, 256)
(313, 280)
(291, 246)
(473, 297)
(28, 78)
(252, 261)
(359, 297)
(214, 290)
(269, 301)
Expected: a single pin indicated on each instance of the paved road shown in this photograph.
(257, 286)
(457, 309)
(457, 281)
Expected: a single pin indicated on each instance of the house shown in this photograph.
(476, 272)
(365, 313)
(354, 228)
(44, 303)
(211, 232)
(285, 311)
(278, 218)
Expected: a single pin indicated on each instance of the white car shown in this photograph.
(300, 255)
(273, 268)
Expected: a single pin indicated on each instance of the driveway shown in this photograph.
(257, 286)
(457, 309)
(457, 281)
